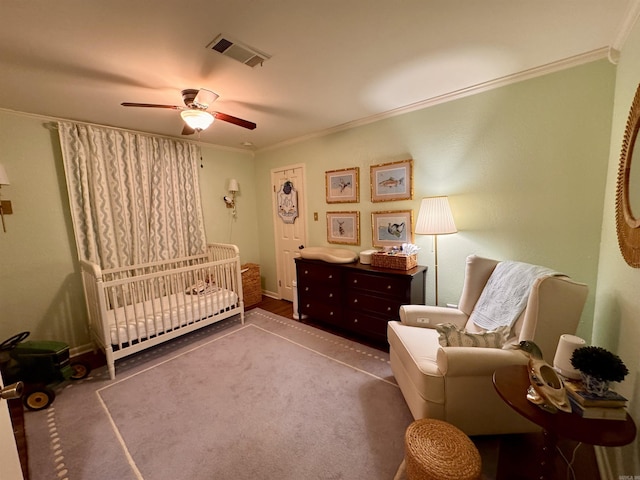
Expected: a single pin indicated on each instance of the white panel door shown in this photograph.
(289, 220)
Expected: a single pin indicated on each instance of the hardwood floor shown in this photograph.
(515, 455)
(279, 307)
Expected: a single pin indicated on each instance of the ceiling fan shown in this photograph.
(195, 113)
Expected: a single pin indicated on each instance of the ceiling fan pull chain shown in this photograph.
(200, 149)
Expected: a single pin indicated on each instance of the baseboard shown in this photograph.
(81, 350)
(604, 466)
(269, 294)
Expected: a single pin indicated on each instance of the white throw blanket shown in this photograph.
(506, 293)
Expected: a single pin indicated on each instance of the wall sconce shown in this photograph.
(230, 199)
(5, 207)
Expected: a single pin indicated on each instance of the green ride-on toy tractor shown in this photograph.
(40, 366)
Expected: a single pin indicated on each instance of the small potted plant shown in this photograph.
(598, 368)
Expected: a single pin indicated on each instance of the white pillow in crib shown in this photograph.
(202, 288)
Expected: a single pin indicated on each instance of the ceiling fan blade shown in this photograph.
(150, 105)
(235, 120)
(187, 130)
(204, 98)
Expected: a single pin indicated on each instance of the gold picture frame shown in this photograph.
(391, 228)
(392, 181)
(343, 228)
(343, 186)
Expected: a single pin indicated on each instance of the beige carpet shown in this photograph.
(274, 399)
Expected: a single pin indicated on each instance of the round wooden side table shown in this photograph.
(511, 382)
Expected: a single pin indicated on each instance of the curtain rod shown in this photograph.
(51, 122)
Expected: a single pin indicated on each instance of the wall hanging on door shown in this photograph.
(288, 202)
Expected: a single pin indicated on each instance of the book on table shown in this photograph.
(604, 413)
(610, 399)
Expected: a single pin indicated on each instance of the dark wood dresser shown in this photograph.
(356, 298)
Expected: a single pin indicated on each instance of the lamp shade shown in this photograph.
(562, 360)
(434, 217)
(233, 185)
(4, 178)
(197, 119)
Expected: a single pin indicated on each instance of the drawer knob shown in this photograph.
(388, 287)
(331, 314)
(355, 300)
(330, 276)
(306, 272)
(330, 295)
(388, 309)
(355, 281)
(308, 305)
(306, 289)
(355, 320)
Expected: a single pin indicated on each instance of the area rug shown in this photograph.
(273, 399)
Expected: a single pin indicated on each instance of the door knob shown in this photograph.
(12, 391)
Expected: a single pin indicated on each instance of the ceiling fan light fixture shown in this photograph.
(197, 119)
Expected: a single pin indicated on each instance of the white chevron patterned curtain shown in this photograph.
(134, 198)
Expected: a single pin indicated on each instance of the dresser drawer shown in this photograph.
(328, 312)
(387, 307)
(383, 285)
(309, 274)
(369, 325)
(320, 292)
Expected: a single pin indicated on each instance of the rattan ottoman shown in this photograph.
(437, 450)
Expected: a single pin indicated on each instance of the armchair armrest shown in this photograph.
(428, 316)
(477, 361)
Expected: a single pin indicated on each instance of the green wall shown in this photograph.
(617, 312)
(40, 286)
(524, 167)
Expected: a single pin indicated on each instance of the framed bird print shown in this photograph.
(343, 227)
(392, 228)
(342, 185)
(392, 181)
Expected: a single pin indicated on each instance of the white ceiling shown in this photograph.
(333, 61)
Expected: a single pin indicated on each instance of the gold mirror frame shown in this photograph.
(627, 225)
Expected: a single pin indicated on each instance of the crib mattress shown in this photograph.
(153, 317)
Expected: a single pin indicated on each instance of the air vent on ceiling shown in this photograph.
(238, 51)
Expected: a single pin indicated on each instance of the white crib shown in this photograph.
(137, 307)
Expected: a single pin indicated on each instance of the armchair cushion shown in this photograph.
(451, 336)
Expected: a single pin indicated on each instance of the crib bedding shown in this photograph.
(160, 315)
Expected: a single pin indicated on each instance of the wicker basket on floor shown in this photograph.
(251, 288)
(437, 450)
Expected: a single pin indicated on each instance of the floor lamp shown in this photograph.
(435, 218)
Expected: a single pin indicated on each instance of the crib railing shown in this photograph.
(131, 304)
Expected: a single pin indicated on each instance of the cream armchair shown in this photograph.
(455, 383)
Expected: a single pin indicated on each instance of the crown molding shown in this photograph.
(569, 62)
(626, 26)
